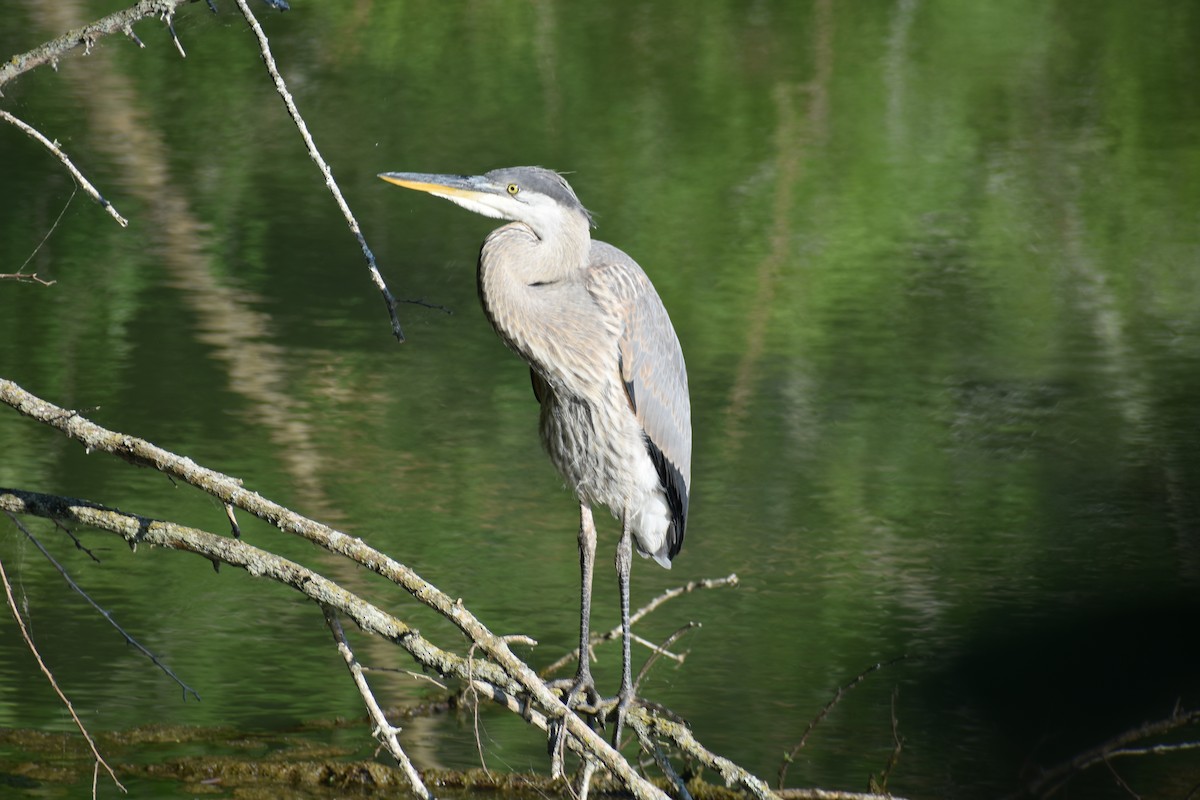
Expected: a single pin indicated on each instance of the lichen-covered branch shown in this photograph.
(230, 490)
(136, 529)
(118, 22)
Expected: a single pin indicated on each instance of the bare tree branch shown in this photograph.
(61, 156)
(733, 775)
(122, 22)
(85, 37)
(136, 529)
(824, 712)
(384, 731)
(1051, 780)
(315, 155)
(25, 277)
(230, 490)
(730, 580)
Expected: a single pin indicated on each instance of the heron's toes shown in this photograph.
(580, 695)
(624, 701)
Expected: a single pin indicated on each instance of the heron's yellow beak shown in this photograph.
(473, 192)
(420, 186)
(441, 185)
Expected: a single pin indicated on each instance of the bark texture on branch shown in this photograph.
(230, 490)
(136, 529)
(85, 37)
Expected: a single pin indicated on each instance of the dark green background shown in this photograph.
(935, 270)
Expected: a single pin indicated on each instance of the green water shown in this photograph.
(934, 266)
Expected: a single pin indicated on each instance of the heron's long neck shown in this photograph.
(533, 293)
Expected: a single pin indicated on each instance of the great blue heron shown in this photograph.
(606, 367)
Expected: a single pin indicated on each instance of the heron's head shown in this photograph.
(540, 198)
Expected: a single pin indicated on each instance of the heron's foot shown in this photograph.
(580, 696)
(624, 700)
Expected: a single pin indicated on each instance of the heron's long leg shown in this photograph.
(583, 689)
(587, 562)
(625, 696)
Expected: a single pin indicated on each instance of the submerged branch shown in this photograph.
(824, 712)
(103, 612)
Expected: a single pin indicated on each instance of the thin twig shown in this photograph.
(474, 693)
(384, 731)
(1051, 780)
(25, 277)
(53, 227)
(234, 528)
(128, 30)
(1120, 781)
(12, 605)
(657, 651)
(78, 544)
(87, 186)
(824, 712)
(1155, 750)
(410, 673)
(660, 650)
(104, 613)
(730, 580)
(168, 17)
(281, 87)
(879, 784)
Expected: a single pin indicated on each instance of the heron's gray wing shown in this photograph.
(652, 368)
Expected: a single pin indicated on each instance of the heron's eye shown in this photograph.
(513, 189)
